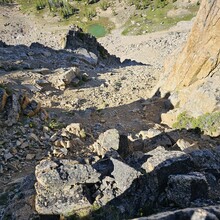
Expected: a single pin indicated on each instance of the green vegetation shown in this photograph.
(55, 125)
(40, 4)
(149, 16)
(154, 18)
(143, 4)
(63, 7)
(104, 5)
(90, 13)
(78, 12)
(209, 122)
(6, 1)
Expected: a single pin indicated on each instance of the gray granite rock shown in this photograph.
(183, 189)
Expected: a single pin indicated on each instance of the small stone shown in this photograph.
(64, 151)
(63, 143)
(12, 110)
(34, 137)
(186, 146)
(75, 82)
(30, 156)
(32, 88)
(75, 128)
(107, 142)
(43, 71)
(1, 169)
(46, 129)
(42, 82)
(63, 78)
(24, 145)
(8, 156)
(46, 53)
(57, 143)
(13, 150)
(18, 143)
(149, 133)
(44, 115)
(53, 137)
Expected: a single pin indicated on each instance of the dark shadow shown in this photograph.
(38, 56)
(8, 4)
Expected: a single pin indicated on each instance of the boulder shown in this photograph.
(32, 108)
(63, 77)
(76, 129)
(119, 177)
(107, 142)
(183, 189)
(87, 56)
(61, 186)
(161, 163)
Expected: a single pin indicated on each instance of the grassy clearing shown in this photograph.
(76, 12)
(152, 20)
(6, 1)
(150, 15)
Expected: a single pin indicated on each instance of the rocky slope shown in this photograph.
(193, 79)
(93, 135)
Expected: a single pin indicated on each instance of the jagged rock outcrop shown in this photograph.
(193, 76)
(88, 48)
(80, 50)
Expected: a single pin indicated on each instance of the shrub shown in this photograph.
(89, 13)
(6, 1)
(40, 4)
(209, 122)
(67, 10)
(104, 5)
(140, 4)
(160, 3)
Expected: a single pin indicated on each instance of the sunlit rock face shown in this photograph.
(193, 75)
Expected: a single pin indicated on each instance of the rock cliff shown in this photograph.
(193, 76)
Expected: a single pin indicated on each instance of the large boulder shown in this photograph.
(193, 76)
(183, 189)
(61, 186)
(66, 187)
